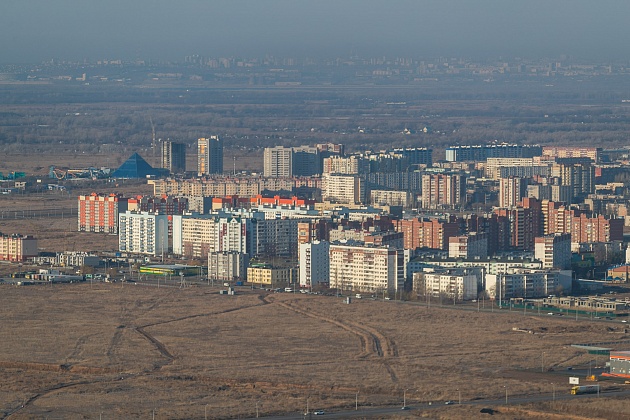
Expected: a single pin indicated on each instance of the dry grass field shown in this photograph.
(75, 351)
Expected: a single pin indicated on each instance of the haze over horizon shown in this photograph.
(169, 30)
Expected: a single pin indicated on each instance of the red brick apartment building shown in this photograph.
(99, 212)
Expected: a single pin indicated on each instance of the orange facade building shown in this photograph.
(99, 213)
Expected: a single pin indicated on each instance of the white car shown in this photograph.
(319, 412)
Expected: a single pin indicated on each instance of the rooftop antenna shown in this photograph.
(234, 165)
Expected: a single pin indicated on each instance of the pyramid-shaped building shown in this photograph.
(136, 167)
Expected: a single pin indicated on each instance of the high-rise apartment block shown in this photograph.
(314, 264)
(306, 161)
(99, 213)
(511, 191)
(473, 245)
(143, 233)
(554, 251)
(345, 165)
(209, 156)
(431, 233)
(345, 189)
(278, 162)
(174, 157)
(446, 190)
(362, 268)
(285, 162)
(197, 235)
(417, 156)
(227, 265)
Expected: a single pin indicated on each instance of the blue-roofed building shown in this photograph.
(137, 167)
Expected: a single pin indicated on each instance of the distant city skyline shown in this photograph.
(167, 30)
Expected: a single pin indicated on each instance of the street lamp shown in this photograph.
(205, 412)
(553, 386)
(256, 409)
(506, 394)
(356, 402)
(459, 394)
(404, 398)
(542, 362)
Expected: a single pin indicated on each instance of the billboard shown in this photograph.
(574, 380)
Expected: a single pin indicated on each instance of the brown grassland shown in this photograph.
(75, 351)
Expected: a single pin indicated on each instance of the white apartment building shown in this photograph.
(209, 156)
(143, 233)
(351, 165)
(362, 268)
(278, 162)
(195, 236)
(554, 251)
(528, 283)
(391, 198)
(473, 245)
(493, 165)
(227, 266)
(344, 189)
(314, 264)
(248, 233)
(455, 284)
(77, 259)
(511, 191)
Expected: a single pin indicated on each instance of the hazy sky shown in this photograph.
(34, 30)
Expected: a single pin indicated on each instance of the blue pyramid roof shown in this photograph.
(135, 167)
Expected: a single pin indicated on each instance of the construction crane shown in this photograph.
(152, 137)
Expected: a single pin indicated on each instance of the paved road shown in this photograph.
(494, 403)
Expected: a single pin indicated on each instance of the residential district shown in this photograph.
(511, 225)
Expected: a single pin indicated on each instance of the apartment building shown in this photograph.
(143, 233)
(344, 189)
(163, 204)
(228, 266)
(426, 233)
(361, 268)
(17, 248)
(314, 264)
(222, 186)
(483, 152)
(528, 284)
(554, 251)
(446, 190)
(350, 165)
(209, 155)
(391, 198)
(493, 165)
(267, 275)
(473, 245)
(278, 162)
(99, 213)
(511, 191)
(572, 152)
(455, 284)
(77, 259)
(248, 233)
(174, 157)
